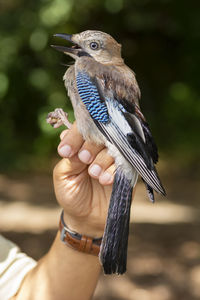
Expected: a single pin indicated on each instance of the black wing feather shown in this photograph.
(152, 148)
(116, 137)
(131, 146)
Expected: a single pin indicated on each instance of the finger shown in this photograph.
(64, 133)
(71, 142)
(107, 177)
(102, 162)
(89, 151)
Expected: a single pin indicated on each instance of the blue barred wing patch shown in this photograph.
(89, 94)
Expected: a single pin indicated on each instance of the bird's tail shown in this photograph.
(113, 253)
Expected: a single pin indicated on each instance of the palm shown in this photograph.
(83, 197)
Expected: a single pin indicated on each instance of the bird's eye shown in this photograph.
(94, 45)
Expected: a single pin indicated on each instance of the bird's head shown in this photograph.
(99, 45)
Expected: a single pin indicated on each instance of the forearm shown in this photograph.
(62, 274)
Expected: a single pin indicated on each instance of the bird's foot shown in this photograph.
(57, 118)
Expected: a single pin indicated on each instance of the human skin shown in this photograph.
(83, 183)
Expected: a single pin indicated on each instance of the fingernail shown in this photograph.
(65, 151)
(95, 170)
(85, 156)
(106, 177)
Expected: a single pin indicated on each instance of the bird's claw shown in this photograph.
(57, 118)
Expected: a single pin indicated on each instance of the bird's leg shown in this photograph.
(57, 118)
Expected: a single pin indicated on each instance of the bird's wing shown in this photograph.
(121, 127)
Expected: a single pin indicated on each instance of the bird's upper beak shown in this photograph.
(75, 50)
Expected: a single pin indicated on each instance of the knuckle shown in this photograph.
(93, 148)
(105, 158)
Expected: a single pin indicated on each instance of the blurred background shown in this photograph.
(161, 43)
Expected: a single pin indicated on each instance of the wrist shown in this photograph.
(77, 241)
(81, 225)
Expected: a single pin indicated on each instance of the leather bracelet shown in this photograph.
(77, 241)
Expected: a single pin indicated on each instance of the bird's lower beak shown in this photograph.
(74, 50)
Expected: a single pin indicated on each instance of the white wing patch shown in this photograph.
(115, 111)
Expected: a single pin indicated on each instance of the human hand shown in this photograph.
(83, 183)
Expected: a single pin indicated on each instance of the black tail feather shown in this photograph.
(149, 191)
(113, 254)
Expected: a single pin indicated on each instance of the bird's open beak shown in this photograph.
(73, 51)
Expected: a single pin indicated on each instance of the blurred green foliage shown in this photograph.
(161, 42)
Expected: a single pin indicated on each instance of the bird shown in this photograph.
(105, 97)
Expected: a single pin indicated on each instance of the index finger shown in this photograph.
(71, 142)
